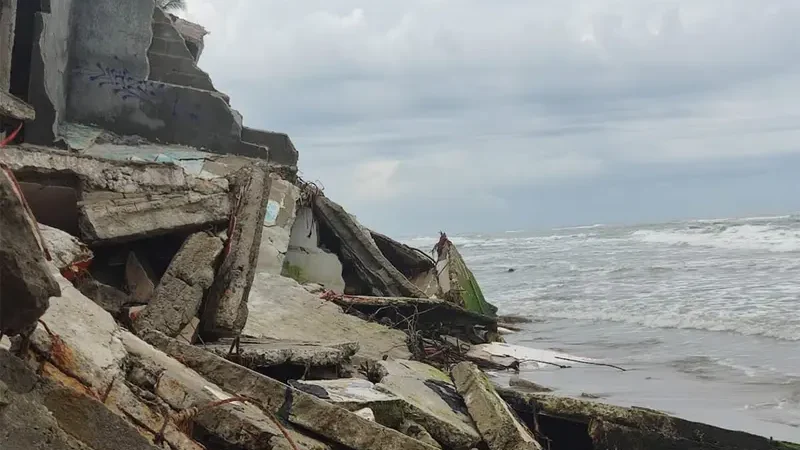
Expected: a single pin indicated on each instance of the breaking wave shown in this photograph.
(722, 235)
(789, 331)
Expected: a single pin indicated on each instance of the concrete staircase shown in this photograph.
(170, 58)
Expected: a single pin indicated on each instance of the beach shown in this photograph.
(703, 314)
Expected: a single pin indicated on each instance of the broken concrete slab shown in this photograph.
(497, 423)
(226, 309)
(80, 338)
(282, 309)
(236, 425)
(431, 401)
(15, 108)
(649, 424)
(136, 217)
(138, 279)
(179, 294)
(299, 408)
(253, 353)
(281, 149)
(357, 248)
(125, 200)
(69, 254)
(413, 263)
(278, 223)
(27, 282)
(111, 299)
(457, 282)
(90, 174)
(427, 314)
(306, 261)
(38, 413)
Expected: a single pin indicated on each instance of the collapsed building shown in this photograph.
(168, 281)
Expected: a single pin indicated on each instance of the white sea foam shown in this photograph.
(734, 237)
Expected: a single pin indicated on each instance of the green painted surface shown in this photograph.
(471, 293)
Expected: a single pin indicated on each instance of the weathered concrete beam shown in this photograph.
(647, 422)
(358, 248)
(91, 174)
(497, 423)
(254, 353)
(123, 219)
(408, 260)
(178, 296)
(26, 283)
(299, 408)
(429, 314)
(125, 200)
(15, 108)
(225, 314)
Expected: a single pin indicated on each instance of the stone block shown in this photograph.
(226, 311)
(178, 296)
(27, 281)
(497, 423)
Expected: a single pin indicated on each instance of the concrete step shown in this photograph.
(172, 47)
(165, 31)
(183, 79)
(162, 63)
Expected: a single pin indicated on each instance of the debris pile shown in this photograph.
(169, 282)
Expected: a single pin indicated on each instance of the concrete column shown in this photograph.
(8, 16)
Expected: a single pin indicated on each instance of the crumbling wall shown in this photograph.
(281, 149)
(170, 58)
(49, 74)
(109, 84)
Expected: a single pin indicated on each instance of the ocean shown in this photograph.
(704, 315)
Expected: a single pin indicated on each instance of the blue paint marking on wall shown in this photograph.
(128, 87)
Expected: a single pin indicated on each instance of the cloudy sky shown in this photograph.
(480, 115)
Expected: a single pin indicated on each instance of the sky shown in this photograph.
(481, 116)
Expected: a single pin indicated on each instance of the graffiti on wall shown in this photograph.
(128, 87)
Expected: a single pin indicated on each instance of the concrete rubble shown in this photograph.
(26, 281)
(178, 296)
(169, 282)
(497, 423)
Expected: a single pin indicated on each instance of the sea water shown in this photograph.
(704, 315)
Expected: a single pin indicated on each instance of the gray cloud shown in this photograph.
(441, 111)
